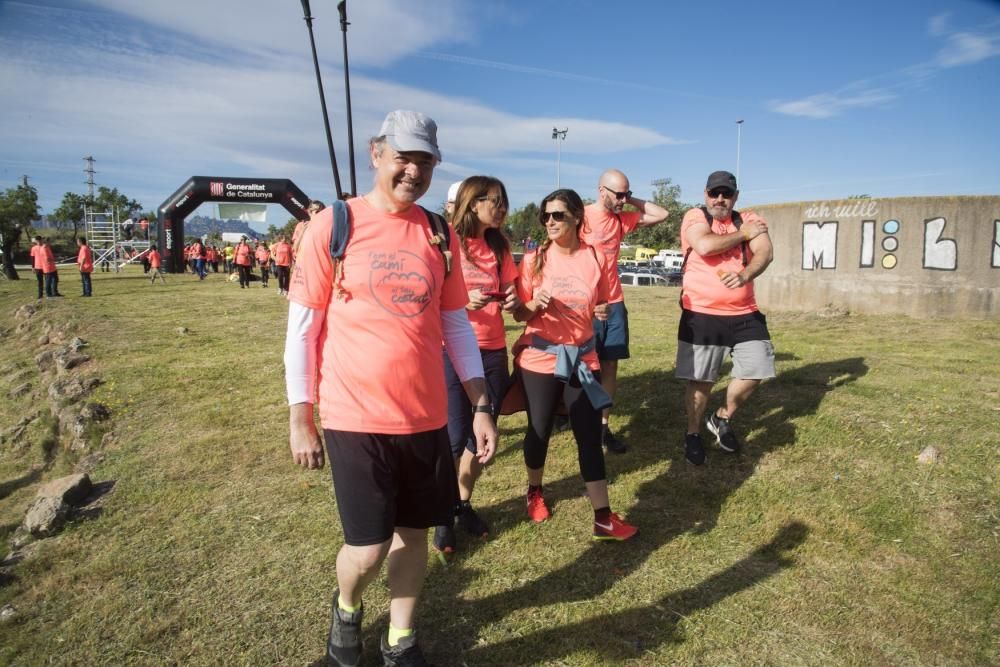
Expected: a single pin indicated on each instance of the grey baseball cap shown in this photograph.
(411, 131)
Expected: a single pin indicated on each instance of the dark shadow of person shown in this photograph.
(621, 635)
(679, 500)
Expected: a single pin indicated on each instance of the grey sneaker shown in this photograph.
(723, 433)
(343, 645)
(404, 654)
(694, 451)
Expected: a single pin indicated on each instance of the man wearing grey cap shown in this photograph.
(724, 251)
(369, 323)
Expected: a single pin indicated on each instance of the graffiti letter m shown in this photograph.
(819, 245)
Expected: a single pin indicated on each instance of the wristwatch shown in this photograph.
(487, 408)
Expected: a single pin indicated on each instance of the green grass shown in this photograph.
(824, 543)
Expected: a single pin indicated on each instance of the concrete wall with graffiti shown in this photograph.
(922, 256)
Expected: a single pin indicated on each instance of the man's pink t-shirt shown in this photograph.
(577, 283)
(604, 231)
(381, 368)
(704, 292)
(85, 259)
(37, 257)
(481, 273)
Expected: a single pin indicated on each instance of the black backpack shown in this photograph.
(737, 222)
(440, 236)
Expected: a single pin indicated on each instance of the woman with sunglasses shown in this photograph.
(563, 286)
(488, 268)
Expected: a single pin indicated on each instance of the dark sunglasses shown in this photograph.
(558, 216)
(725, 192)
(497, 202)
(619, 195)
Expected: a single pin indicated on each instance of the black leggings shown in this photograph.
(283, 278)
(542, 393)
(244, 275)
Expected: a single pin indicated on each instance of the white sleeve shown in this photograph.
(460, 342)
(301, 352)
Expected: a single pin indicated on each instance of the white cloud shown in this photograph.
(966, 48)
(827, 105)
(938, 25)
(961, 48)
(153, 119)
(380, 32)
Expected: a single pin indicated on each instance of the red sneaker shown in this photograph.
(537, 510)
(614, 529)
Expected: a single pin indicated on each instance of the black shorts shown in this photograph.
(384, 481)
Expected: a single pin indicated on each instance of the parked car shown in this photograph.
(642, 279)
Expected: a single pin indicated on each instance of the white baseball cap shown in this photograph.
(453, 191)
(411, 131)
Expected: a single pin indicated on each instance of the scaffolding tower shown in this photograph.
(112, 245)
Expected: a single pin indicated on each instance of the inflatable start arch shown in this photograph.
(201, 189)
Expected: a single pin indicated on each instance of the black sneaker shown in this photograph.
(611, 443)
(404, 654)
(444, 539)
(470, 521)
(694, 451)
(343, 645)
(723, 433)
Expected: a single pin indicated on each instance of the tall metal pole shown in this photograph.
(559, 136)
(739, 140)
(342, 8)
(307, 15)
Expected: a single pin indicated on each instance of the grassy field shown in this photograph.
(825, 542)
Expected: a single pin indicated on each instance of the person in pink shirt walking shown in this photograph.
(85, 260)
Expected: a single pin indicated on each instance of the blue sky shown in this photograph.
(883, 98)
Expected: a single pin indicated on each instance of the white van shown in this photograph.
(642, 279)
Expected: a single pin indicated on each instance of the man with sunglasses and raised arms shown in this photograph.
(605, 225)
(724, 251)
(372, 326)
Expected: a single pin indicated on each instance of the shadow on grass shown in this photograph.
(10, 486)
(627, 634)
(679, 500)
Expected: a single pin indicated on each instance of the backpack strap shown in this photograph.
(341, 229)
(339, 236)
(441, 237)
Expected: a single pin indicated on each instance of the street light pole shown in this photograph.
(559, 136)
(739, 140)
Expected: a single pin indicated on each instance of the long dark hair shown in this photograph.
(575, 207)
(466, 221)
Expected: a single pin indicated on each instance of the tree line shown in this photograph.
(19, 209)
